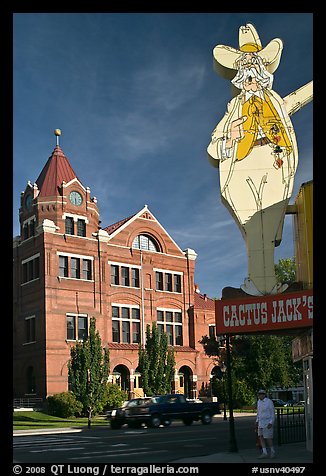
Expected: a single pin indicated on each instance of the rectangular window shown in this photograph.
(115, 331)
(170, 322)
(178, 335)
(177, 317)
(82, 328)
(71, 334)
(127, 321)
(169, 333)
(177, 283)
(87, 269)
(63, 266)
(81, 227)
(25, 273)
(115, 312)
(135, 277)
(159, 280)
(75, 268)
(32, 228)
(126, 332)
(135, 313)
(29, 229)
(125, 313)
(135, 332)
(114, 274)
(30, 329)
(168, 282)
(169, 316)
(124, 276)
(25, 231)
(211, 331)
(36, 270)
(160, 316)
(31, 269)
(160, 329)
(69, 226)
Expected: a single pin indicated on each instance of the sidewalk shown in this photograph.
(294, 453)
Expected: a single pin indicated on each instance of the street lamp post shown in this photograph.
(233, 441)
(223, 370)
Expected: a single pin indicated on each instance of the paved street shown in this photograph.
(102, 445)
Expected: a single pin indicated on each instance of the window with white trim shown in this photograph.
(77, 326)
(170, 322)
(211, 331)
(29, 227)
(75, 225)
(125, 275)
(75, 267)
(125, 324)
(31, 268)
(168, 281)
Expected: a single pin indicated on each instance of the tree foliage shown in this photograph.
(114, 396)
(285, 270)
(64, 405)
(259, 360)
(156, 363)
(88, 370)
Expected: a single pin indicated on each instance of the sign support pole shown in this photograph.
(233, 448)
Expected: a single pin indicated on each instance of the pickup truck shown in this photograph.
(163, 409)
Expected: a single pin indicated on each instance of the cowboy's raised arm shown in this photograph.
(299, 98)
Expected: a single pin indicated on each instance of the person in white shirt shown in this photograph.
(265, 423)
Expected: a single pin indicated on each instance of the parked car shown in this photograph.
(278, 402)
(290, 403)
(301, 403)
(117, 416)
(161, 410)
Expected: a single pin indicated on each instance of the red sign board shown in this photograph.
(264, 313)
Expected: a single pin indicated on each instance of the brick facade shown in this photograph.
(68, 269)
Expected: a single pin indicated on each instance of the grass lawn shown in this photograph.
(38, 420)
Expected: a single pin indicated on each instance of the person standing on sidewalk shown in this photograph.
(265, 423)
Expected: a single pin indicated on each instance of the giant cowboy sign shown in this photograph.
(255, 148)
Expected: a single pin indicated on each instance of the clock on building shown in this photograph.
(75, 198)
(28, 202)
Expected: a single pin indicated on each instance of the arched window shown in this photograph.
(145, 242)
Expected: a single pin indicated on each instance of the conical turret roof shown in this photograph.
(56, 170)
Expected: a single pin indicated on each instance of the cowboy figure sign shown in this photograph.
(255, 148)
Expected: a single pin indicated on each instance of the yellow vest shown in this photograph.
(263, 113)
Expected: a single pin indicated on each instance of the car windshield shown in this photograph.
(135, 402)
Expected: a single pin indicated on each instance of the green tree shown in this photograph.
(156, 363)
(88, 370)
(260, 360)
(114, 396)
(285, 270)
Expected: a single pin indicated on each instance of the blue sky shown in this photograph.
(136, 98)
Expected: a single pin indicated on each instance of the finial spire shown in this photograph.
(57, 133)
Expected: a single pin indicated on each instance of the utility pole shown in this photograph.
(233, 442)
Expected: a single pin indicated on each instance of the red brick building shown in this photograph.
(127, 275)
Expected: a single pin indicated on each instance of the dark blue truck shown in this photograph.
(163, 409)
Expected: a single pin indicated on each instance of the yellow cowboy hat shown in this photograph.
(226, 57)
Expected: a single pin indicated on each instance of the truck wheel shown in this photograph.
(206, 418)
(187, 421)
(155, 421)
(166, 422)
